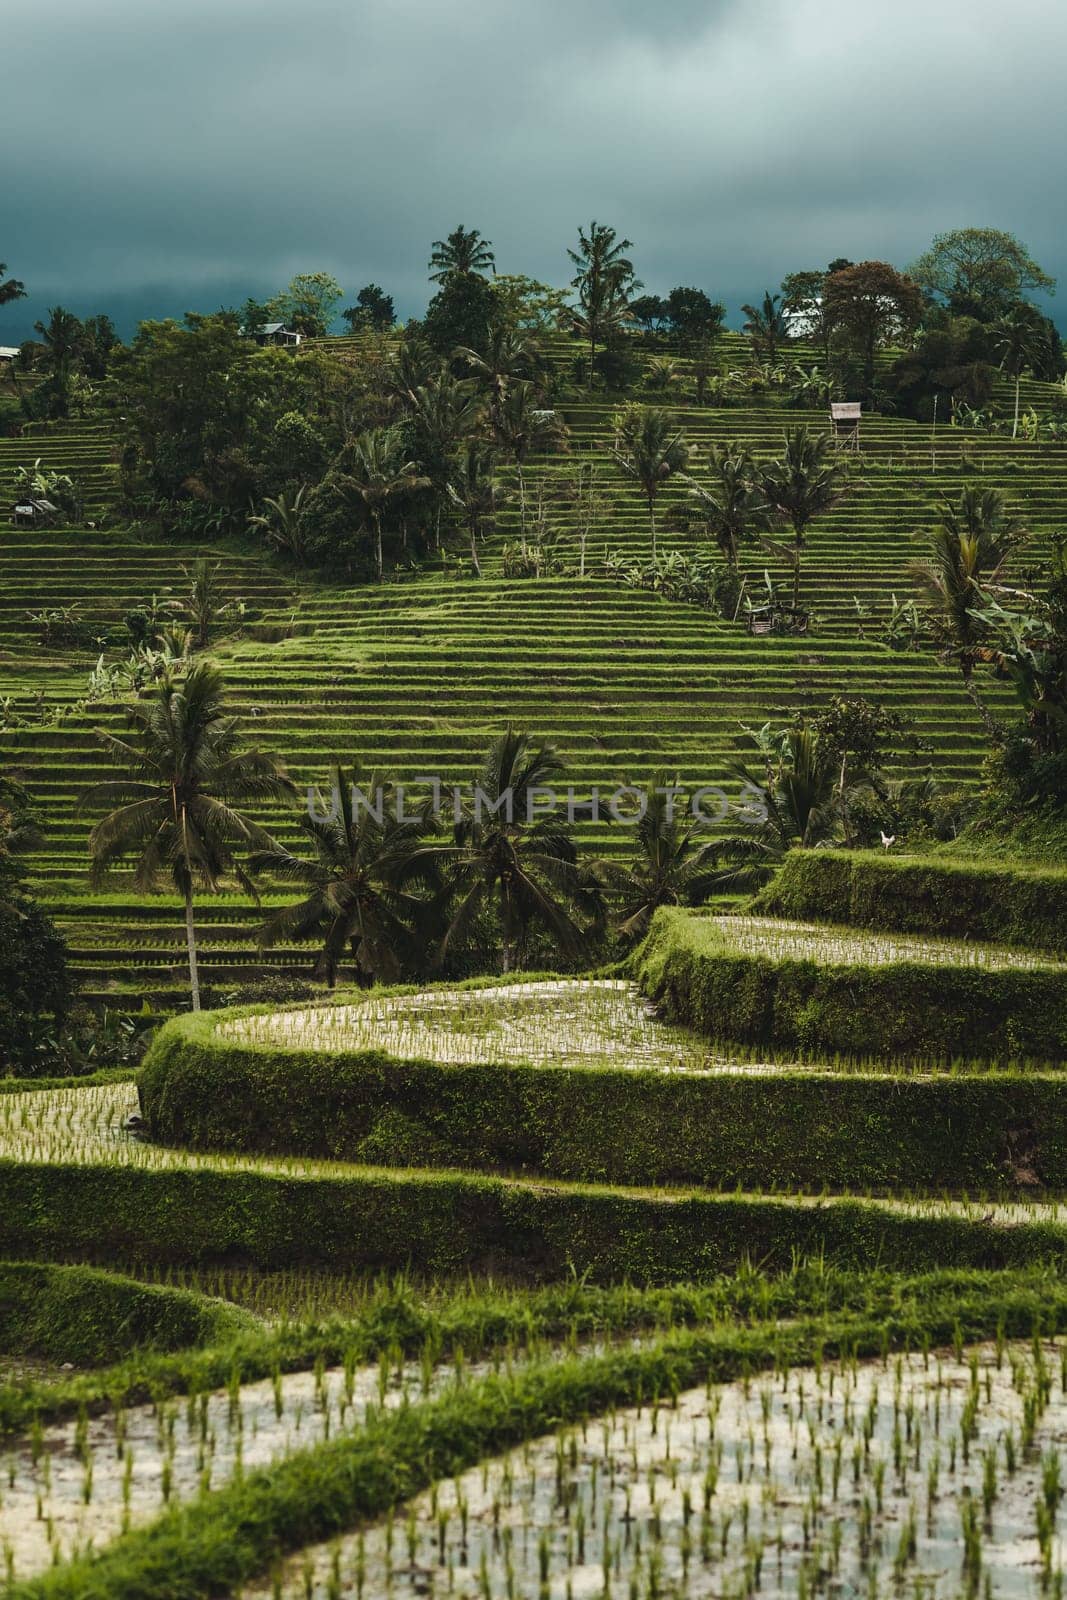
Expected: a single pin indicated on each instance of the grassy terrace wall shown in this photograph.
(451, 1224)
(778, 1129)
(694, 971)
(923, 895)
(87, 1317)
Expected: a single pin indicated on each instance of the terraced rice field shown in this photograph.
(415, 676)
(924, 1475)
(832, 1417)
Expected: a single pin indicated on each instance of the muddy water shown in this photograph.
(931, 1477)
(76, 1485)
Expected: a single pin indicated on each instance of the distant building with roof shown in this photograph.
(274, 333)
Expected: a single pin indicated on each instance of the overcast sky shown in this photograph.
(161, 155)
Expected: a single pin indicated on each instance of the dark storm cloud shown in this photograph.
(172, 153)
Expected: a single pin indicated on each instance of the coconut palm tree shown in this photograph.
(369, 881)
(672, 864)
(507, 860)
(521, 425)
(792, 804)
(415, 364)
(476, 493)
(511, 356)
(604, 280)
(1020, 338)
(965, 559)
(648, 448)
(804, 484)
(377, 475)
(728, 503)
(767, 325)
(463, 254)
(177, 810)
(63, 336)
(445, 412)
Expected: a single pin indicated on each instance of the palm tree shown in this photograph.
(506, 859)
(605, 281)
(648, 448)
(176, 811)
(1020, 337)
(511, 356)
(793, 804)
(671, 864)
(767, 324)
(281, 523)
(378, 474)
(729, 503)
(966, 555)
(463, 254)
(476, 492)
(445, 412)
(800, 487)
(206, 605)
(366, 881)
(521, 425)
(64, 338)
(414, 365)
(10, 288)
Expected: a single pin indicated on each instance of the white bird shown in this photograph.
(888, 839)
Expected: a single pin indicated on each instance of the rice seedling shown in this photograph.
(558, 1022)
(779, 939)
(634, 1507)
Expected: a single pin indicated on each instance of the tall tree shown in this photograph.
(979, 272)
(869, 304)
(790, 806)
(648, 448)
(966, 555)
(800, 486)
(767, 325)
(374, 309)
(368, 881)
(63, 338)
(510, 356)
(728, 502)
(693, 316)
(445, 412)
(649, 311)
(1019, 339)
(463, 254)
(461, 313)
(802, 304)
(508, 860)
(521, 425)
(376, 476)
(309, 304)
(177, 812)
(10, 288)
(604, 280)
(670, 865)
(36, 986)
(476, 492)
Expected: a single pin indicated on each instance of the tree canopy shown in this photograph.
(979, 272)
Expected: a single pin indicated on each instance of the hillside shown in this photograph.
(415, 675)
